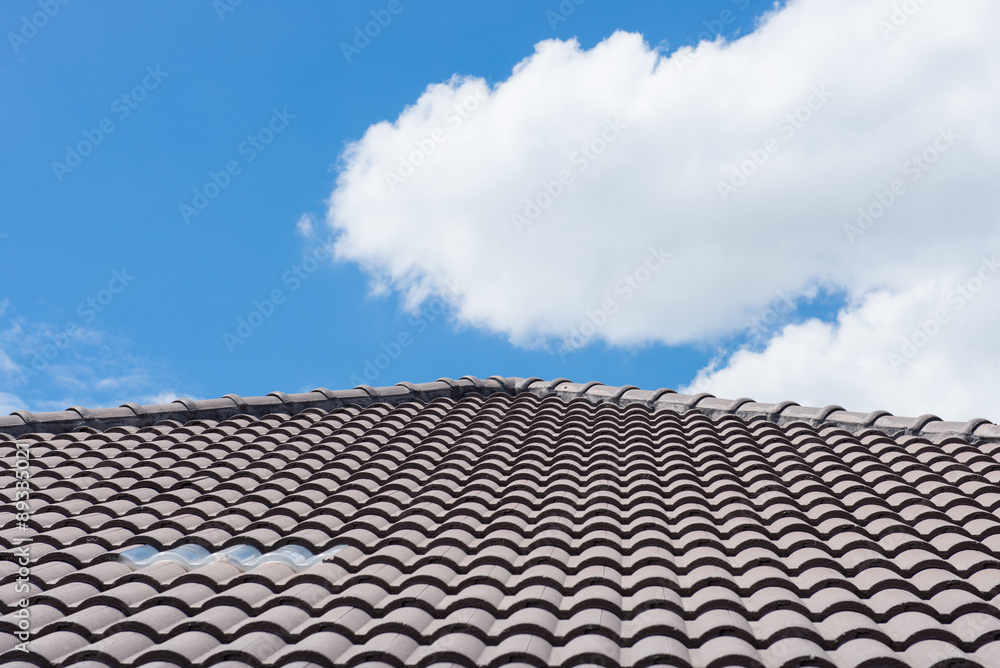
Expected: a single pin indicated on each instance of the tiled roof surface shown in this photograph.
(184, 410)
(502, 522)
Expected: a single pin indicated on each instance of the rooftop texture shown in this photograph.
(786, 412)
(504, 522)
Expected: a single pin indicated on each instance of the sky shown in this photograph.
(786, 201)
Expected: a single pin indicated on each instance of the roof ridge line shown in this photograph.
(926, 426)
(76, 418)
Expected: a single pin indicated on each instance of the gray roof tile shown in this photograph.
(510, 521)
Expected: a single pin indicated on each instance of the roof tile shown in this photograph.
(495, 522)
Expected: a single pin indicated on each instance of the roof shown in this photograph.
(500, 522)
(786, 412)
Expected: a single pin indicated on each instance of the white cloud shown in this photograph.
(10, 403)
(165, 397)
(304, 226)
(840, 105)
(930, 348)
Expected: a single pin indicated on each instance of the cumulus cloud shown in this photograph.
(930, 348)
(844, 144)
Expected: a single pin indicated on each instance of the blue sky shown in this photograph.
(117, 285)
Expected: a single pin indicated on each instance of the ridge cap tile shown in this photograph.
(20, 423)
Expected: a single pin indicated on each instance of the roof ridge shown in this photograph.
(76, 418)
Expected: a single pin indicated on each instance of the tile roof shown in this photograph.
(786, 412)
(496, 522)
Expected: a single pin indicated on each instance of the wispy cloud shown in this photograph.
(45, 368)
(304, 227)
(10, 403)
